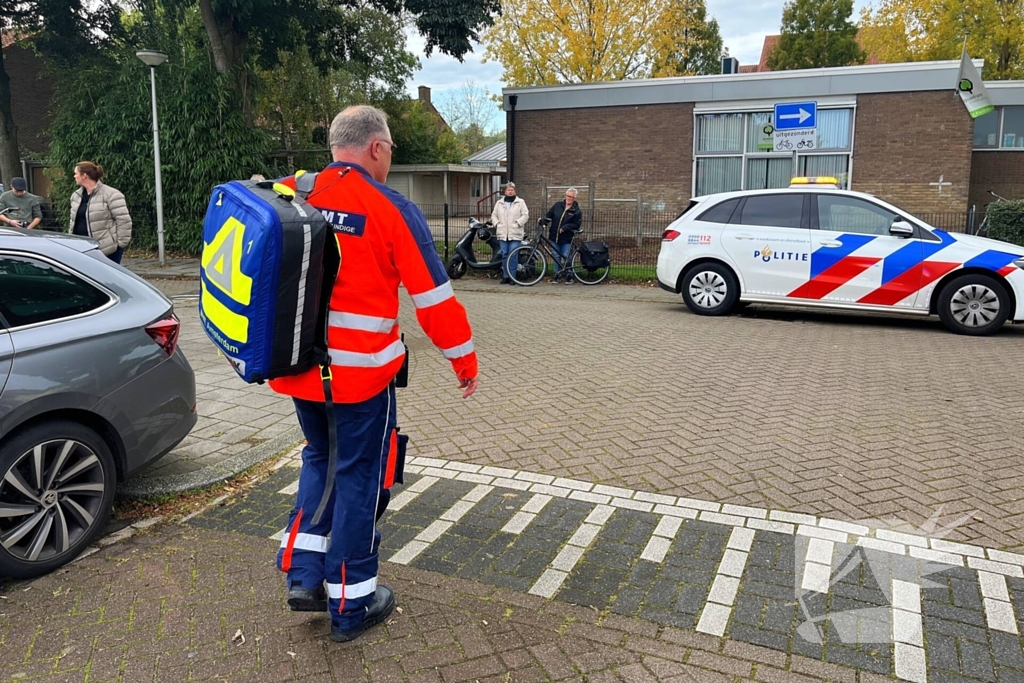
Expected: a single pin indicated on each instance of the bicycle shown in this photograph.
(983, 228)
(533, 261)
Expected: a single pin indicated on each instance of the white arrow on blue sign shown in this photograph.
(796, 115)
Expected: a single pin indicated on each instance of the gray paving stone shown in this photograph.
(976, 661)
(942, 653)
(1006, 650)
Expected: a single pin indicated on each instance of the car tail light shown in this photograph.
(165, 333)
(669, 235)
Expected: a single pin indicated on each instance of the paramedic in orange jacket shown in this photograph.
(384, 242)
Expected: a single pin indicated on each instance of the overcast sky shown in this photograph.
(744, 24)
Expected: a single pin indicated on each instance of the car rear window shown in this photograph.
(720, 213)
(34, 291)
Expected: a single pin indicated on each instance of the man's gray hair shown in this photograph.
(574, 191)
(358, 126)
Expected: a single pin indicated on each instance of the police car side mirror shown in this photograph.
(901, 229)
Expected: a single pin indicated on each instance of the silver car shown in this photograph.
(93, 387)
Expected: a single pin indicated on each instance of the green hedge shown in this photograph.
(1006, 221)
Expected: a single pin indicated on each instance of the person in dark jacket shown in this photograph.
(566, 217)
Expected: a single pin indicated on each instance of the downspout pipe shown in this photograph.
(512, 101)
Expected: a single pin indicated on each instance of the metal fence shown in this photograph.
(634, 238)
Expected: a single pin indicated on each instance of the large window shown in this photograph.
(735, 153)
(34, 291)
(1002, 129)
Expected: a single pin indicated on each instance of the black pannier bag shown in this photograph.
(594, 255)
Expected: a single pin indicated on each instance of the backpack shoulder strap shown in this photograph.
(304, 183)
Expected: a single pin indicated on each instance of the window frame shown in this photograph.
(112, 298)
(745, 156)
(1000, 128)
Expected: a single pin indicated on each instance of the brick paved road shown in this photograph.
(847, 416)
(633, 576)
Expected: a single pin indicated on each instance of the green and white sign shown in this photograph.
(972, 89)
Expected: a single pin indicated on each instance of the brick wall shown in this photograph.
(904, 141)
(625, 150)
(30, 99)
(1001, 172)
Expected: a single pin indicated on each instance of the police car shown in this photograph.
(814, 244)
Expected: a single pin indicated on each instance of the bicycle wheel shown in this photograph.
(587, 276)
(531, 266)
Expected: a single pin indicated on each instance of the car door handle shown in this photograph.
(831, 243)
(745, 237)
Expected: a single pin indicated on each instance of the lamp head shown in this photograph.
(151, 58)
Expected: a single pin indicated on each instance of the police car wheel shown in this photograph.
(974, 304)
(710, 289)
(457, 267)
(57, 484)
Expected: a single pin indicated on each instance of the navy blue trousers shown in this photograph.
(342, 548)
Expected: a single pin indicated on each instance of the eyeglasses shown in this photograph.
(388, 142)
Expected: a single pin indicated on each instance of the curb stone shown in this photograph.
(141, 486)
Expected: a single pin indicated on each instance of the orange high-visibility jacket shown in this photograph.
(384, 241)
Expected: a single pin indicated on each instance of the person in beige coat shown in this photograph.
(509, 218)
(100, 212)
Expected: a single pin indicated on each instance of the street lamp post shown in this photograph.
(153, 60)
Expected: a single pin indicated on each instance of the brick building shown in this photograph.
(31, 92)
(894, 130)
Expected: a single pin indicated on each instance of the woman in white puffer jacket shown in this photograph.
(509, 218)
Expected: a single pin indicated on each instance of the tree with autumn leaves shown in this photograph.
(580, 41)
(925, 30)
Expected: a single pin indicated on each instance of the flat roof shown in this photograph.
(768, 85)
(441, 168)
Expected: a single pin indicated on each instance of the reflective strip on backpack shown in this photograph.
(310, 542)
(352, 590)
(433, 296)
(307, 239)
(363, 323)
(458, 351)
(379, 359)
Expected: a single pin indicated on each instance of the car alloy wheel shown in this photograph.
(708, 289)
(974, 305)
(50, 498)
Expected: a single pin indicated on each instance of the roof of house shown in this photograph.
(772, 42)
(491, 155)
(6, 40)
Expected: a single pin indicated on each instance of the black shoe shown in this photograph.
(505, 281)
(380, 609)
(307, 599)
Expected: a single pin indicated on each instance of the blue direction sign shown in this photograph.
(796, 115)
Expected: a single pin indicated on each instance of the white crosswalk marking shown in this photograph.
(998, 608)
(661, 539)
(907, 630)
(553, 578)
(717, 610)
(291, 489)
(526, 514)
(411, 493)
(411, 550)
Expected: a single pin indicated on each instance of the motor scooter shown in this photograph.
(465, 258)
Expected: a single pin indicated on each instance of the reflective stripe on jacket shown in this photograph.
(385, 241)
